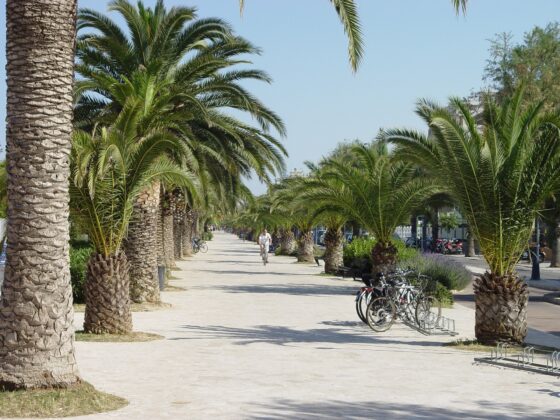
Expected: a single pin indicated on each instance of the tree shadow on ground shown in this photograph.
(333, 409)
(254, 273)
(286, 289)
(282, 336)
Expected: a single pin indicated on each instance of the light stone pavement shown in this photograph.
(247, 342)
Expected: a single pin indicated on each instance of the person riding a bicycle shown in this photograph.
(264, 241)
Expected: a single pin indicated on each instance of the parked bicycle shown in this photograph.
(199, 245)
(402, 294)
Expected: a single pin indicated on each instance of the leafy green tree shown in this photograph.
(535, 63)
(502, 174)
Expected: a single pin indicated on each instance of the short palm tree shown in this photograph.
(372, 189)
(499, 174)
(111, 167)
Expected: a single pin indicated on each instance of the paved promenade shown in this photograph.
(249, 342)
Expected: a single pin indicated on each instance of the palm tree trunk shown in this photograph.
(414, 226)
(333, 250)
(287, 243)
(141, 247)
(167, 247)
(470, 244)
(554, 240)
(36, 315)
(107, 295)
(383, 258)
(501, 309)
(178, 220)
(177, 238)
(187, 233)
(305, 247)
(435, 228)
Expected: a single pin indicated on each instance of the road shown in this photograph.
(542, 315)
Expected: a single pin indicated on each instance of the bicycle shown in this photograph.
(199, 245)
(406, 299)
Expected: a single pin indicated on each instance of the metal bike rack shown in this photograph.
(529, 359)
(434, 325)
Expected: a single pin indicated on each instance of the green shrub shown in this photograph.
(207, 236)
(79, 256)
(444, 295)
(358, 252)
(448, 273)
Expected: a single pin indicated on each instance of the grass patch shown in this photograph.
(79, 400)
(133, 337)
(135, 307)
(474, 345)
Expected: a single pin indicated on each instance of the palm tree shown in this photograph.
(111, 167)
(502, 174)
(374, 190)
(189, 62)
(36, 316)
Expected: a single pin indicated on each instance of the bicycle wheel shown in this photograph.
(203, 248)
(361, 300)
(381, 314)
(195, 248)
(428, 312)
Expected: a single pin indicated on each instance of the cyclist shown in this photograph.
(264, 242)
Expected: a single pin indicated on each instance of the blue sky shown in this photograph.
(414, 49)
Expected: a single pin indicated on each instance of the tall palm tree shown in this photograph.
(111, 167)
(190, 61)
(502, 175)
(36, 332)
(374, 190)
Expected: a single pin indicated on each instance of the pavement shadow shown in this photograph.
(287, 289)
(284, 408)
(253, 273)
(282, 336)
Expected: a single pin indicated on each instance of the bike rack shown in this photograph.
(529, 359)
(434, 326)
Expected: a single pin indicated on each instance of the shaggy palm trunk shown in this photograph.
(470, 244)
(333, 250)
(501, 309)
(187, 233)
(383, 258)
(178, 209)
(166, 245)
(287, 242)
(414, 226)
(159, 235)
(435, 228)
(36, 316)
(107, 295)
(305, 247)
(141, 247)
(554, 240)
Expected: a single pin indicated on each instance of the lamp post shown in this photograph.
(536, 268)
